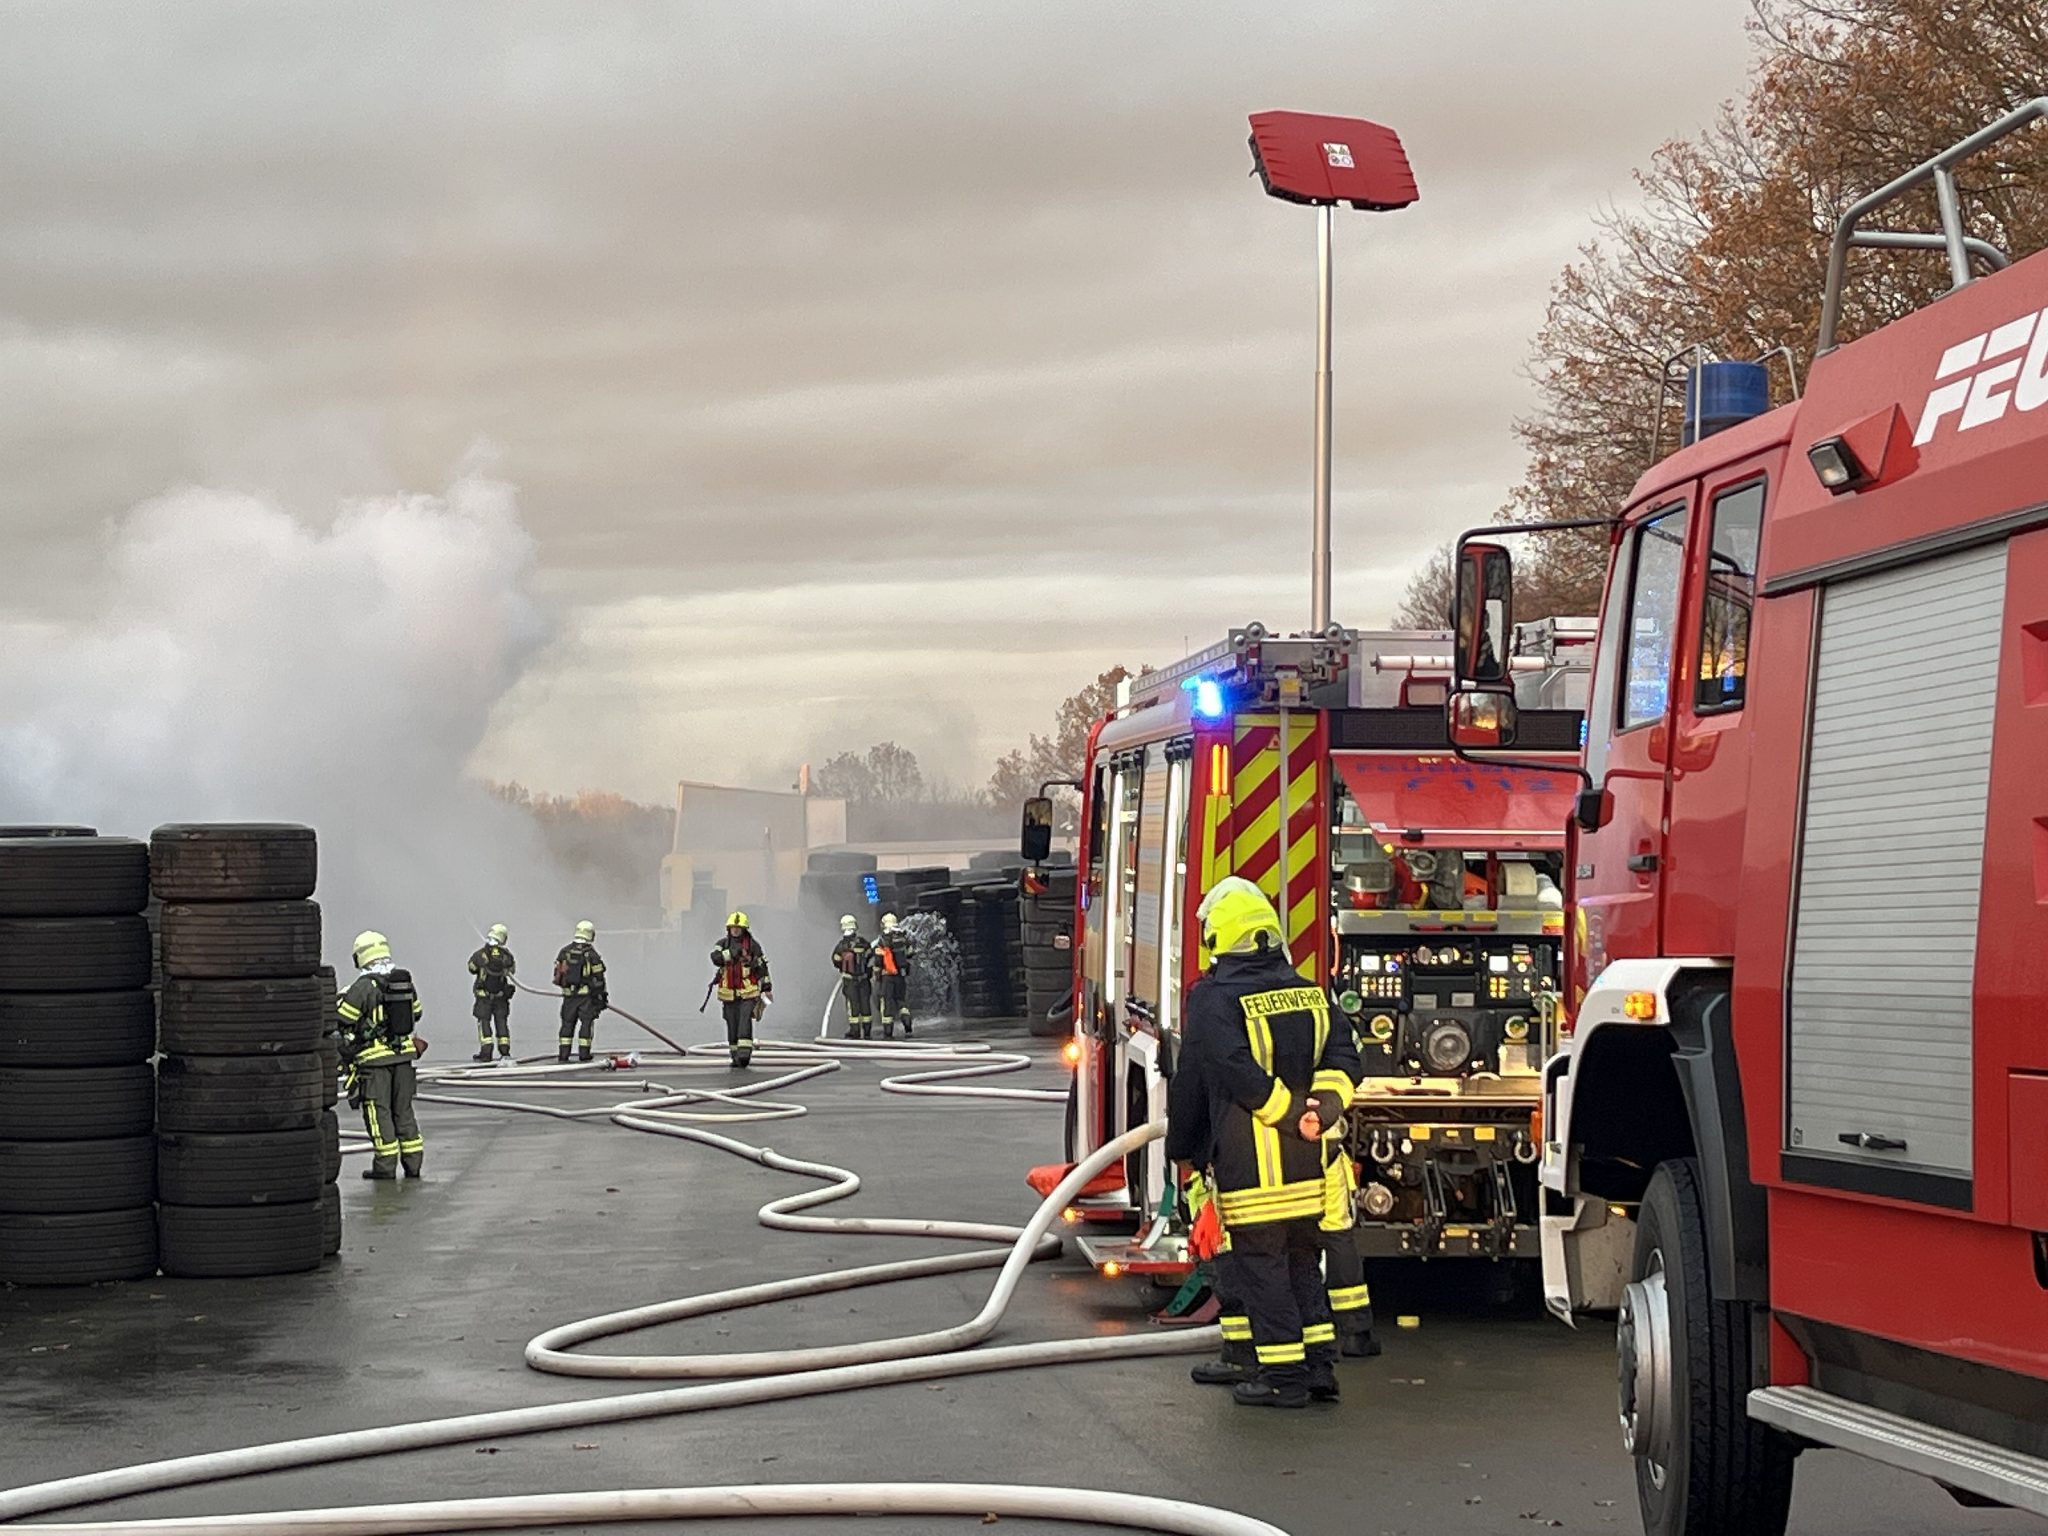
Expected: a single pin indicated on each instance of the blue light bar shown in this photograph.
(871, 888)
(1209, 701)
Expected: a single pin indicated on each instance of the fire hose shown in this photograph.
(750, 1378)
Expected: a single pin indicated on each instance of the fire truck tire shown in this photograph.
(1703, 1466)
(233, 861)
(72, 876)
(241, 939)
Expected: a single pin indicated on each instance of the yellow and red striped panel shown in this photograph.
(1255, 823)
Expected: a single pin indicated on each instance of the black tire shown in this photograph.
(47, 831)
(836, 861)
(205, 1242)
(228, 861)
(239, 1095)
(75, 1249)
(76, 1029)
(240, 1018)
(1726, 1474)
(330, 1145)
(75, 1103)
(73, 954)
(72, 876)
(268, 1168)
(330, 1222)
(45, 1178)
(330, 1071)
(241, 939)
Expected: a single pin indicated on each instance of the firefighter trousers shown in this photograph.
(579, 1024)
(1235, 1321)
(739, 1027)
(1344, 1280)
(493, 1025)
(1277, 1267)
(859, 993)
(892, 1003)
(387, 1089)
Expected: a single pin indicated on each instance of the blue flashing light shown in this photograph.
(1209, 702)
(871, 888)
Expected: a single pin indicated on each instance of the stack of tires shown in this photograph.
(243, 1154)
(330, 1116)
(77, 1030)
(988, 917)
(1048, 953)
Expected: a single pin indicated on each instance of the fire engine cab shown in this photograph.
(1423, 890)
(1797, 1132)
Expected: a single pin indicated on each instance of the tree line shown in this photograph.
(1728, 249)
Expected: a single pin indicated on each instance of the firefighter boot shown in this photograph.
(411, 1163)
(381, 1175)
(905, 1019)
(562, 1054)
(1264, 1392)
(483, 1055)
(504, 1053)
(1322, 1385)
(888, 1029)
(1219, 1373)
(583, 1054)
(1362, 1345)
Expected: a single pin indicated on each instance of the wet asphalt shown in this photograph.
(1483, 1419)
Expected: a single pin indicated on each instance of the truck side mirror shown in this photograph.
(1034, 841)
(1482, 718)
(1593, 808)
(1482, 614)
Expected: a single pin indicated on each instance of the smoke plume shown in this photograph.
(236, 663)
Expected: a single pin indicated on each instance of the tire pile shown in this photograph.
(77, 1030)
(989, 950)
(247, 1142)
(1048, 953)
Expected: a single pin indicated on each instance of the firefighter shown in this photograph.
(850, 958)
(744, 990)
(493, 968)
(1259, 1043)
(891, 967)
(1343, 1265)
(1192, 1149)
(375, 1019)
(579, 972)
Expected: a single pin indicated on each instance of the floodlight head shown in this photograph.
(1303, 157)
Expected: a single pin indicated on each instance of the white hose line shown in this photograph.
(213, 1466)
(1131, 1511)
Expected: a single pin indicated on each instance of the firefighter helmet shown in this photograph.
(1238, 919)
(848, 926)
(889, 922)
(371, 945)
(736, 920)
(498, 933)
(586, 932)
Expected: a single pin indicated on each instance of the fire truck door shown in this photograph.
(1617, 869)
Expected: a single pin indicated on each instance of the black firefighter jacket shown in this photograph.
(1258, 1047)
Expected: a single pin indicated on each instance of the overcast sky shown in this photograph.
(865, 368)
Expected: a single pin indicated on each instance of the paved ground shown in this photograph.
(1477, 1422)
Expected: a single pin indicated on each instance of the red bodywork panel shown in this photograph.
(1420, 800)
(1948, 406)
(1306, 158)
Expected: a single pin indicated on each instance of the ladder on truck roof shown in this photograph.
(1257, 666)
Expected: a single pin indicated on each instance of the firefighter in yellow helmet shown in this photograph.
(890, 963)
(579, 972)
(374, 1022)
(740, 974)
(493, 968)
(850, 960)
(1276, 1072)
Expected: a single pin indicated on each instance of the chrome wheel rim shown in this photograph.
(1643, 1353)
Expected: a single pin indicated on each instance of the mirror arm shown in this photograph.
(1576, 770)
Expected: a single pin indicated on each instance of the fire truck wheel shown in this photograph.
(1703, 1467)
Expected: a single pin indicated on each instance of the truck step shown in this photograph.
(2008, 1477)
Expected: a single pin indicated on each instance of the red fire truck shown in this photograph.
(1798, 1133)
(1425, 891)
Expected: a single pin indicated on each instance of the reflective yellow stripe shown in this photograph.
(1287, 1203)
(1274, 1110)
(1330, 1080)
(1282, 1354)
(348, 1010)
(1237, 1329)
(1350, 1298)
(1319, 1333)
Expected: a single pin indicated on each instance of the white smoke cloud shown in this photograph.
(237, 663)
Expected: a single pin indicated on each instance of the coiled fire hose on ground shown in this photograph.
(749, 1378)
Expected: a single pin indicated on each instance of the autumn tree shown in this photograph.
(885, 774)
(1061, 755)
(1728, 249)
